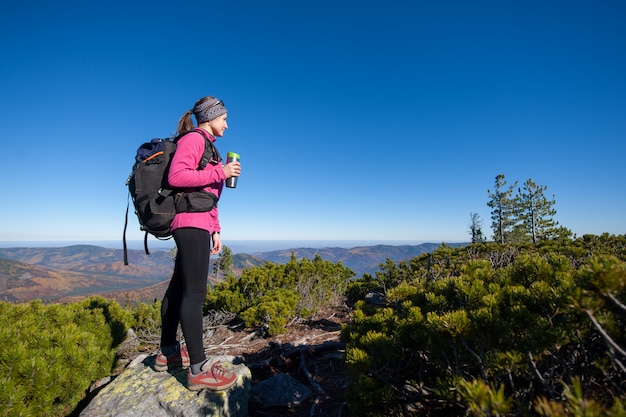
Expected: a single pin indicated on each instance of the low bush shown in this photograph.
(52, 353)
(493, 331)
(273, 294)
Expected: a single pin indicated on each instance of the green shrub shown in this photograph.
(494, 329)
(273, 294)
(576, 405)
(147, 317)
(118, 319)
(484, 400)
(273, 309)
(52, 354)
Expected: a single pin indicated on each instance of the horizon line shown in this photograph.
(235, 245)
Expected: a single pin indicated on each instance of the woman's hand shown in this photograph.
(217, 244)
(232, 169)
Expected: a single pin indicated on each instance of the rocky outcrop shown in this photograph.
(296, 372)
(280, 390)
(140, 391)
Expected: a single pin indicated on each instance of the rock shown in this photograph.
(376, 298)
(280, 390)
(141, 391)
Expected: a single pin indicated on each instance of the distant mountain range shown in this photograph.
(51, 274)
(73, 272)
(361, 259)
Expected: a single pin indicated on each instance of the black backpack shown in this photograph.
(155, 202)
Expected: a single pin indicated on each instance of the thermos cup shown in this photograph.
(232, 181)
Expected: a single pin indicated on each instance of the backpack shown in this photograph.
(155, 202)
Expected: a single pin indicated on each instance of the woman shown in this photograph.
(193, 233)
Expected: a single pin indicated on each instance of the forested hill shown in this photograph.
(360, 259)
(84, 257)
(55, 273)
(80, 270)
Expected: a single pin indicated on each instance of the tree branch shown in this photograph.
(308, 374)
(478, 358)
(538, 375)
(616, 301)
(605, 335)
(612, 344)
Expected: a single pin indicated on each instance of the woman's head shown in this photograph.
(208, 108)
(209, 111)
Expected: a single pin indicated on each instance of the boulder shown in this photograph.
(280, 390)
(140, 391)
(376, 298)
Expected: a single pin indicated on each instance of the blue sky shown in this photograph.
(355, 120)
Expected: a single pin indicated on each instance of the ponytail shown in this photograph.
(185, 124)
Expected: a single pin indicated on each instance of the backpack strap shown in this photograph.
(210, 156)
(124, 245)
(209, 149)
(124, 235)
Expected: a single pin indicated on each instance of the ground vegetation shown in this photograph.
(490, 329)
(486, 329)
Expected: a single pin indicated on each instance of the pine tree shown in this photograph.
(503, 209)
(475, 228)
(536, 211)
(224, 263)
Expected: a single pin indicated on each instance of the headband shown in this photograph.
(209, 110)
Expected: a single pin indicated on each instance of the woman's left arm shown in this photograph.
(217, 243)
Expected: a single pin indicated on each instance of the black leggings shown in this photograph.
(184, 298)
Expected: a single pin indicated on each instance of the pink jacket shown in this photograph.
(184, 174)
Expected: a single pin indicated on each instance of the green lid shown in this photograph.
(233, 155)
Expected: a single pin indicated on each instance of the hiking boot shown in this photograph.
(215, 378)
(178, 359)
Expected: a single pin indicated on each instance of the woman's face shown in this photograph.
(218, 125)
